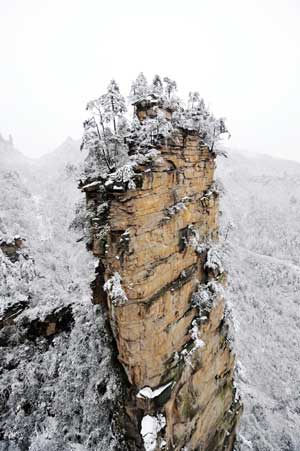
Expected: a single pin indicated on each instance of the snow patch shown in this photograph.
(114, 289)
(151, 426)
(148, 393)
(195, 334)
(214, 261)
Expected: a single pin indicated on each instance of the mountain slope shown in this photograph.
(58, 385)
(260, 224)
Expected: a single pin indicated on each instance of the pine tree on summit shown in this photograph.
(157, 87)
(139, 88)
(113, 104)
(196, 103)
(170, 86)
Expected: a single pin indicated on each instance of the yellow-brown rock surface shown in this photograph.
(149, 244)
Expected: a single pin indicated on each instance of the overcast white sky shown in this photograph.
(242, 55)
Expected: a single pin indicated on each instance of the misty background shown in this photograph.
(243, 58)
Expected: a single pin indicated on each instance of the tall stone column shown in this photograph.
(161, 278)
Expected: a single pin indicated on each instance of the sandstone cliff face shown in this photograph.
(162, 283)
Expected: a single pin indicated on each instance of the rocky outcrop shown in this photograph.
(8, 314)
(59, 320)
(12, 247)
(161, 278)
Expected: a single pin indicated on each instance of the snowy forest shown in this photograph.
(60, 382)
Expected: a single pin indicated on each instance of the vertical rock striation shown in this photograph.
(161, 278)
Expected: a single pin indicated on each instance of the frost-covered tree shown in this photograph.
(196, 103)
(171, 100)
(139, 88)
(197, 117)
(149, 133)
(94, 141)
(113, 103)
(101, 132)
(170, 86)
(213, 129)
(157, 88)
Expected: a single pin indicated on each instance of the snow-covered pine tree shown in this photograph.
(94, 142)
(113, 104)
(170, 86)
(139, 89)
(150, 132)
(171, 100)
(196, 103)
(212, 129)
(198, 118)
(156, 88)
(101, 131)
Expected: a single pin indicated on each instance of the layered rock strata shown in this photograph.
(162, 284)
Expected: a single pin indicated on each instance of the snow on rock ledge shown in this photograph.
(148, 393)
